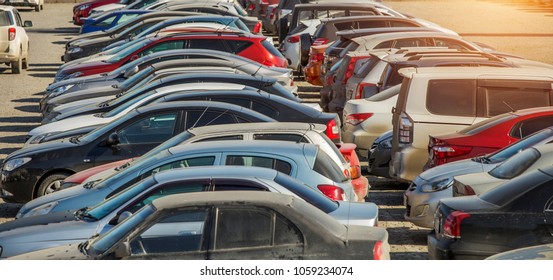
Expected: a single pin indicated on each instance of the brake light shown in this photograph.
(257, 27)
(11, 33)
(320, 41)
(351, 67)
(377, 251)
(440, 154)
(293, 39)
(452, 224)
(355, 119)
(334, 192)
(332, 130)
(316, 57)
(360, 88)
(405, 129)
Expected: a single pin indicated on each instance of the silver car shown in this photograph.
(25, 235)
(306, 162)
(426, 190)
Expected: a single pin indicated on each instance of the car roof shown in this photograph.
(537, 73)
(219, 171)
(401, 35)
(258, 127)
(283, 148)
(350, 34)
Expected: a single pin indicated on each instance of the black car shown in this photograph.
(380, 154)
(142, 89)
(37, 170)
(516, 214)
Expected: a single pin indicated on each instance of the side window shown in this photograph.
(505, 96)
(549, 206)
(170, 45)
(527, 127)
(174, 188)
(237, 46)
(453, 44)
(385, 45)
(412, 42)
(286, 233)
(265, 162)
(280, 137)
(126, 17)
(177, 233)
(236, 101)
(402, 24)
(241, 228)
(451, 97)
(151, 129)
(4, 18)
(189, 162)
(203, 118)
(207, 44)
(327, 167)
(106, 22)
(265, 110)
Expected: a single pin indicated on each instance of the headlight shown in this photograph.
(439, 186)
(59, 90)
(83, 7)
(15, 163)
(74, 50)
(41, 210)
(37, 138)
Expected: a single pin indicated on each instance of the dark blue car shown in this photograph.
(109, 20)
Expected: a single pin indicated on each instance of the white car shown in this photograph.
(14, 42)
(37, 4)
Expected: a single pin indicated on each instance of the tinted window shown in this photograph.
(240, 228)
(516, 164)
(237, 46)
(265, 110)
(180, 232)
(501, 100)
(527, 127)
(280, 137)
(151, 129)
(325, 166)
(270, 48)
(286, 233)
(207, 44)
(236, 101)
(265, 162)
(307, 193)
(228, 185)
(403, 24)
(442, 94)
(486, 124)
(222, 138)
(169, 189)
(170, 45)
(203, 118)
(358, 25)
(453, 44)
(413, 42)
(5, 18)
(183, 163)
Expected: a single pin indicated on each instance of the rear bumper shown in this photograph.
(438, 248)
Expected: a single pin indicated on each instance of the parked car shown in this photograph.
(82, 10)
(513, 215)
(459, 86)
(14, 42)
(276, 131)
(109, 20)
(306, 162)
(380, 155)
(360, 183)
(524, 162)
(426, 190)
(307, 232)
(250, 46)
(132, 135)
(25, 235)
(38, 5)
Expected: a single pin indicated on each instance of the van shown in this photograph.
(439, 100)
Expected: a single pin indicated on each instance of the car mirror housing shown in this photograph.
(123, 216)
(113, 139)
(27, 23)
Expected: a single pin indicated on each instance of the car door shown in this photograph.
(137, 136)
(249, 232)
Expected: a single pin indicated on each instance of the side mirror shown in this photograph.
(123, 216)
(113, 139)
(27, 23)
(134, 57)
(130, 72)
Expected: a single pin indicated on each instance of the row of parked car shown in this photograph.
(149, 119)
(459, 121)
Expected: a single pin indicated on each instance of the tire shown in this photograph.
(17, 65)
(37, 8)
(26, 60)
(42, 6)
(50, 184)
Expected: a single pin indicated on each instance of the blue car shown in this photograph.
(109, 20)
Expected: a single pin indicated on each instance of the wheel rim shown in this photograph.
(52, 187)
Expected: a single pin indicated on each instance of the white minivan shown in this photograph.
(14, 42)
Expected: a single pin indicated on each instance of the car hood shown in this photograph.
(67, 108)
(70, 123)
(40, 148)
(79, 80)
(64, 252)
(64, 194)
(355, 213)
(479, 182)
(452, 169)
(93, 89)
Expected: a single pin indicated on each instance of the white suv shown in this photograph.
(14, 42)
(439, 100)
(36, 4)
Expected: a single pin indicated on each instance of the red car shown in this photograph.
(487, 136)
(82, 10)
(254, 47)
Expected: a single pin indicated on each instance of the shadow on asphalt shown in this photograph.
(17, 128)
(7, 151)
(25, 100)
(16, 139)
(21, 119)
(59, 30)
(28, 108)
(43, 75)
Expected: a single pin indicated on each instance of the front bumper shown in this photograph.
(361, 188)
(17, 185)
(421, 206)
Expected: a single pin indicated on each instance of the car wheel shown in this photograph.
(17, 65)
(51, 184)
(42, 6)
(26, 60)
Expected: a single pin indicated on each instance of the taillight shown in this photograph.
(332, 130)
(334, 192)
(405, 129)
(257, 27)
(440, 154)
(351, 67)
(320, 41)
(452, 225)
(460, 189)
(355, 171)
(377, 251)
(11, 33)
(316, 57)
(360, 88)
(355, 119)
(293, 39)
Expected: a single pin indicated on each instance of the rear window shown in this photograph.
(486, 124)
(325, 166)
(516, 164)
(508, 98)
(443, 93)
(5, 18)
(238, 46)
(306, 193)
(271, 48)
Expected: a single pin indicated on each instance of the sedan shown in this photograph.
(487, 136)
(517, 214)
(286, 227)
(31, 234)
(37, 170)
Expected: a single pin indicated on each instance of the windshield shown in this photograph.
(541, 136)
(176, 140)
(109, 239)
(128, 50)
(126, 101)
(516, 164)
(102, 130)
